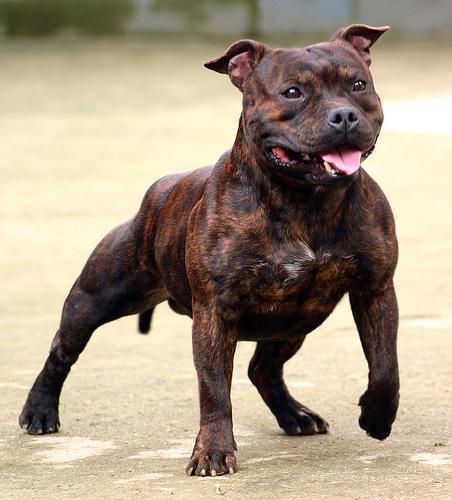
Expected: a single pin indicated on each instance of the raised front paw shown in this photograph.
(297, 419)
(40, 415)
(378, 413)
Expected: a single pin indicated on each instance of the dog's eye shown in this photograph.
(292, 93)
(359, 86)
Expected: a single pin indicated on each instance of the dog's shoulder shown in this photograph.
(377, 210)
(374, 241)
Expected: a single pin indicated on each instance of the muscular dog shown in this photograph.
(260, 247)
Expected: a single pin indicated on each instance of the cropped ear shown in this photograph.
(238, 61)
(361, 37)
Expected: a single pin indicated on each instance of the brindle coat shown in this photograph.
(253, 250)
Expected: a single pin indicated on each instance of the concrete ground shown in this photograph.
(85, 127)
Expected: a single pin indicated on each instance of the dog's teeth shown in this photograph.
(329, 168)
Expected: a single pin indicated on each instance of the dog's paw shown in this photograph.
(373, 427)
(301, 421)
(377, 415)
(40, 416)
(211, 463)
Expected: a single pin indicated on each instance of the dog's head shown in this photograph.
(309, 113)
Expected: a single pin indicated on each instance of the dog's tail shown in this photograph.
(144, 321)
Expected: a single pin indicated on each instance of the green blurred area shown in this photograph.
(45, 17)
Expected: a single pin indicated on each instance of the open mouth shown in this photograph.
(343, 160)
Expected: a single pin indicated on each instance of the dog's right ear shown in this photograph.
(238, 61)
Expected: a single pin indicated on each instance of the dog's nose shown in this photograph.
(343, 119)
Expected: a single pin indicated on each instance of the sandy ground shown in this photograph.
(85, 127)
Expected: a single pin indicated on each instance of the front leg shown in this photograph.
(214, 343)
(376, 316)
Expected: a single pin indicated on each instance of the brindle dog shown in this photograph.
(260, 247)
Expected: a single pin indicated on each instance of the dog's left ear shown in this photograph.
(361, 37)
(238, 61)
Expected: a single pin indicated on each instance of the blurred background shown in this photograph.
(98, 99)
(239, 17)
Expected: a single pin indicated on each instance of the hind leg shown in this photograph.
(109, 287)
(79, 319)
(266, 373)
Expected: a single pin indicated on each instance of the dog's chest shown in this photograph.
(297, 289)
(306, 272)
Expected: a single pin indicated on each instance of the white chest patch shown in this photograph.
(296, 264)
(301, 264)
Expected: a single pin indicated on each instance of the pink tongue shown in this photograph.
(344, 159)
